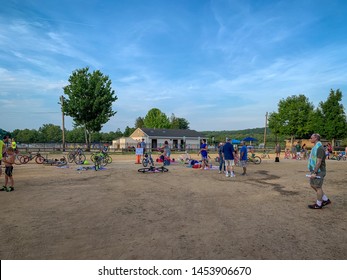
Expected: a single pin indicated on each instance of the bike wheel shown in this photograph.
(108, 159)
(256, 160)
(71, 157)
(162, 169)
(92, 157)
(39, 159)
(24, 159)
(17, 160)
(79, 159)
(144, 162)
(144, 170)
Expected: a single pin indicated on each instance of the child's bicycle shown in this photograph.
(254, 159)
(153, 169)
(39, 159)
(102, 157)
(77, 156)
(265, 154)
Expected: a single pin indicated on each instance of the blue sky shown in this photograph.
(219, 64)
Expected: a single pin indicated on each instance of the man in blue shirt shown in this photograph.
(243, 157)
(229, 155)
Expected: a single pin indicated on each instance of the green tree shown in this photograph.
(128, 131)
(26, 136)
(76, 135)
(332, 117)
(139, 123)
(275, 124)
(50, 133)
(89, 100)
(292, 116)
(156, 119)
(178, 123)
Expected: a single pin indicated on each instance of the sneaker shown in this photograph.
(10, 189)
(219, 172)
(315, 206)
(3, 189)
(325, 203)
(233, 175)
(227, 175)
(243, 174)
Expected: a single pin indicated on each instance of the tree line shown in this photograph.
(88, 100)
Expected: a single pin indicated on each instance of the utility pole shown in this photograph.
(63, 121)
(265, 129)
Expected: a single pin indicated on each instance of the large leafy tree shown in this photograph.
(26, 136)
(178, 123)
(293, 116)
(275, 124)
(331, 117)
(156, 119)
(88, 100)
(50, 133)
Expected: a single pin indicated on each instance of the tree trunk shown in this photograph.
(87, 138)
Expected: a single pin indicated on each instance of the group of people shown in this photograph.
(227, 157)
(316, 164)
(7, 156)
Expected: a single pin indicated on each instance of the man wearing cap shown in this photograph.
(228, 156)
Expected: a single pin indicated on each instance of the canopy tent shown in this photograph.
(3, 133)
(235, 141)
(249, 139)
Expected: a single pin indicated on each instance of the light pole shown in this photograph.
(63, 121)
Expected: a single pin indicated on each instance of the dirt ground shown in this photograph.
(121, 214)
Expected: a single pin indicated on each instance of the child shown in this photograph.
(9, 160)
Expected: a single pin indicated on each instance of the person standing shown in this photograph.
(9, 161)
(243, 157)
(221, 160)
(298, 150)
(143, 145)
(204, 154)
(229, 155)
(278, 150)
(317, 167)
(3, 149)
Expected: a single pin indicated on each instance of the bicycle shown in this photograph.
(254, 159)
(39, 159)
(153, 169)
(102, 158)
(56, 162)
(76, 156)
(265, 154)
(147, 159)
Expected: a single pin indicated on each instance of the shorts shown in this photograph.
(204, 158)
(229, 162)
(8, 170)
(243, 163)
(318, 182)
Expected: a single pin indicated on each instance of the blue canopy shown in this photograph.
(249, 139)
(235, 141)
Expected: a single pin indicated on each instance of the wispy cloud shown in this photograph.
(219, 64)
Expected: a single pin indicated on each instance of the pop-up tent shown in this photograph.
(3, 133)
